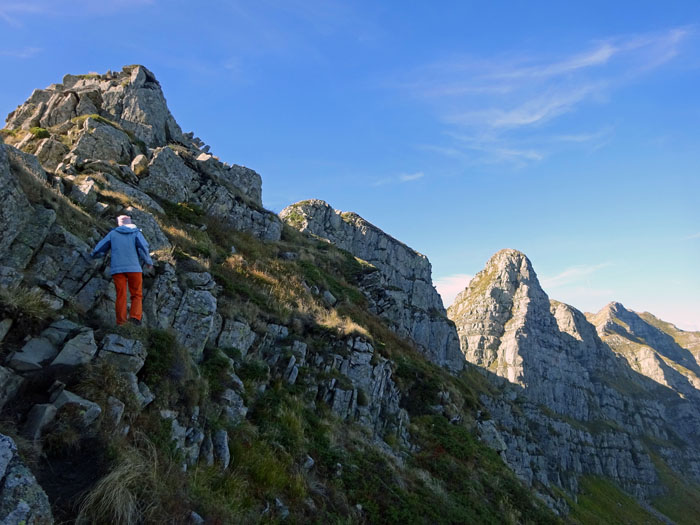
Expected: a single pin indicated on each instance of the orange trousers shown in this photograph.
(134, 280)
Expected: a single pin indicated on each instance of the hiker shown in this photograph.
(129, 248)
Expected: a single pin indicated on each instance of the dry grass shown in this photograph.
(188, 240)
(122, 497)
(166, 255)
(23, 301)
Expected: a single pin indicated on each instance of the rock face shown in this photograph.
(401, 292)
(652, 347)
(553, 357)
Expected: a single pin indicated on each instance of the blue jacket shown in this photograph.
(129, 247)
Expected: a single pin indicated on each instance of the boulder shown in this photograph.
(30, 237)
(127, 355)
(88, 412)
(84, 192)
(59, 330)
(136, 196)
(161, 303)
(79, 350)
(51, 153)
(206, 452)
(236, 335)
(101, 141)
(140, 165)
(64, 260)
(35, 353)
(115, 411)
(169, 177)
(194, 321)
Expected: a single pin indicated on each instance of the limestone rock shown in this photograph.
(137, 196)
(115, 411)
(402, 291)
(169, 177)
(194, 321)
(22, 500)
(237, 335)
(88, 410)
(10, 384)
(84, 192)
(127, 355)
(35, 353)
(160, 304)
(508, 326)
(234, 409)
(139, 165)
(5, 326)
(221, 450)
(50, 153)
(78, 351)
(16, 209)
(102, 141)
(63, 260)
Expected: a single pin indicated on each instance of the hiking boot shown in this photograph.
(135, 321)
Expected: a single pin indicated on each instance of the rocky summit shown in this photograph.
(298, 368)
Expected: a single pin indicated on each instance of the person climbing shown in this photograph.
(129, 247)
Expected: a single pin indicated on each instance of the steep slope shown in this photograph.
(260, 386)
(584, 410)
(402, 291)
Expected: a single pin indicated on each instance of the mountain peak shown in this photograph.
(132, 98)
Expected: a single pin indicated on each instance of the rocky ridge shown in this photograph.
(401, 291)
(583, 409)
(246, 367)
(252, 384)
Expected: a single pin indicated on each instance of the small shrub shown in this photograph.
(39, 133)
(253, 370)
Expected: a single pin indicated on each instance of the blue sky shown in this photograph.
(567, 130)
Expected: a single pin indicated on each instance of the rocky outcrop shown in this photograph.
(133, 98)
(118, 124)
(402, 291)
(22, 500)
(508, 326)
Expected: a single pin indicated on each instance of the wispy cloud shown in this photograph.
(402, 178)
(693, 236)
(500, 102)
(26, 52)
(571, 275)
(13, 13)
(449, 286)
